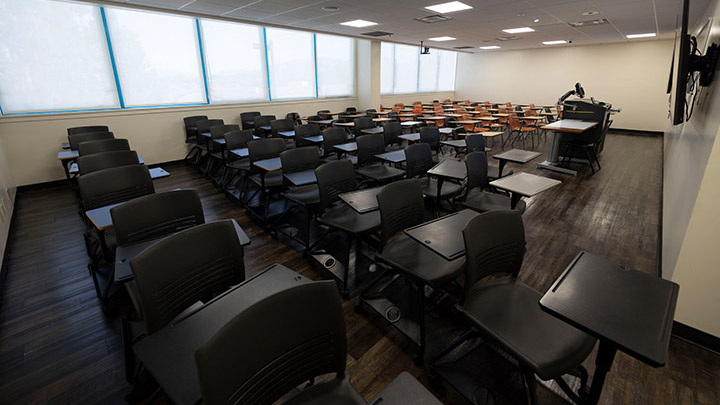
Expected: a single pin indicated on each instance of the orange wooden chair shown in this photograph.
(521, 132)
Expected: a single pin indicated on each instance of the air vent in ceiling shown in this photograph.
(378, 34)
(433, 18)
(510, 38)
(588, 23)
(463, 47)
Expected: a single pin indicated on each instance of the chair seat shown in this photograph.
(508, 310)
(494, 170)
(419, 262)
(449, 189)
(345, 218)
(305, 195)
(484, 201)
(240, 164)
(272, 179)
(336, 391)
(381, 172)
(332, 158)
(528, 129)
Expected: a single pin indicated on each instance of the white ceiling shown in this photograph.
(477, 27)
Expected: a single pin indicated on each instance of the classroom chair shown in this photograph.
(247, 119)
(306, 197)
(478, 195)
(76, 139)
(103, 145)
(369, 166)
(87, 129)
(419, 161)
(105, 160)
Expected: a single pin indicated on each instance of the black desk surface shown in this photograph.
(269, 165)
(320, 122)
(169, 354)
(395, 156)
(362, 201)
(242, 152)
(314, 139)
(517, 155)
(100, 217)
(373, 131)
(444, 235)
(123, 254)
(220, 141)
(455, 143)
(66, 145)
(287, 134)
(67, 154)
(410, 137)
(346, 147)
(449, 168)
(302, 178)
(633, 310)
(446, 130)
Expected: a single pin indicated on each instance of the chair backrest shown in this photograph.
(334, 178)
(351, 109)
(514, 122)
(247, 117)
(294, 118)
(205, 125)
(331, 137)
(86, 129)
(363, 123)
(301, 334)
(114, 185)
(103, 145)
(219, 131)
(494, 243)
(401, 206)
(324, 114)
(238, 139)
(368, 146)
(391, 131)
(475, 143)
(77, 139)
(105, 160)
(477, 170)
(431, 136)
(305, 131)
(262, 121)
(265, 149)
(191, 125)
(281, 125)
(156, 215)
(371, 110)
(299, 159)
(508, 104)
(418, 158)
(184, 268)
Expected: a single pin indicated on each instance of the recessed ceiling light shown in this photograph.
(519, 30)
(358, 23)
(591, 13)
(440, 39)
(555, 42)
(537, 20)
(521, 15)
(490, 47)
(648, 35)
(331, 8)
(449, 7)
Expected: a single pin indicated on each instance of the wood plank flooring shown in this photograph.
(57, 346)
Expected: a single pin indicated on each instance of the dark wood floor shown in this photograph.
(57, 345)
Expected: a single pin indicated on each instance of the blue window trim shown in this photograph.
(112, 58)
(267, 64)
(317, 92)
(202, 60)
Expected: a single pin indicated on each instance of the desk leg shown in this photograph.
(603, 362)
(437, 197)
(514, 200)
(501, 167)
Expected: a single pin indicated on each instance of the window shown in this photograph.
(404, 70)
(157, 58)
(291, 64)
(335, 66)
(234, 61)
(63, 65)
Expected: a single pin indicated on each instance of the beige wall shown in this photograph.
(691, 191)
(7, 200)
(632, 76)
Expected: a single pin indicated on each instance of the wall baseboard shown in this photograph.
(696, 337)
(6, 253)
(636, 132)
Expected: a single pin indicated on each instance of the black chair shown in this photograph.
(216, 148)
(324, 115)
(431, 136)
(294, 118)
(307, 197)
(262, 121)
(105, 160)
(306, 131)
(203, 127)
(477, 197)
(266, 182)
(191, 133)
(391, 131)
(362, 123)
(246, 119)
(476, 143)
(300, 329)
(351, 110)
(232, 163)
(332, 137)
(505, 310)
(87, 129)
(369, 166)
(419, 161)
(104, 145)
(114, 185)
(280, 125)
(585, 143)
(334, 178)
(76, 139)
(401, 207)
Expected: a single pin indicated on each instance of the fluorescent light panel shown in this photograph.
(490, 47)
(555, 42)
(519, 30)
(358, 23)
(440, 39)
(648, 35)
(450, 7)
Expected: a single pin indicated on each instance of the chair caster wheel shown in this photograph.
(418, 359)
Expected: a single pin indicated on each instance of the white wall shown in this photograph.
(7, 200)
(691, 191)
(632, 76)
